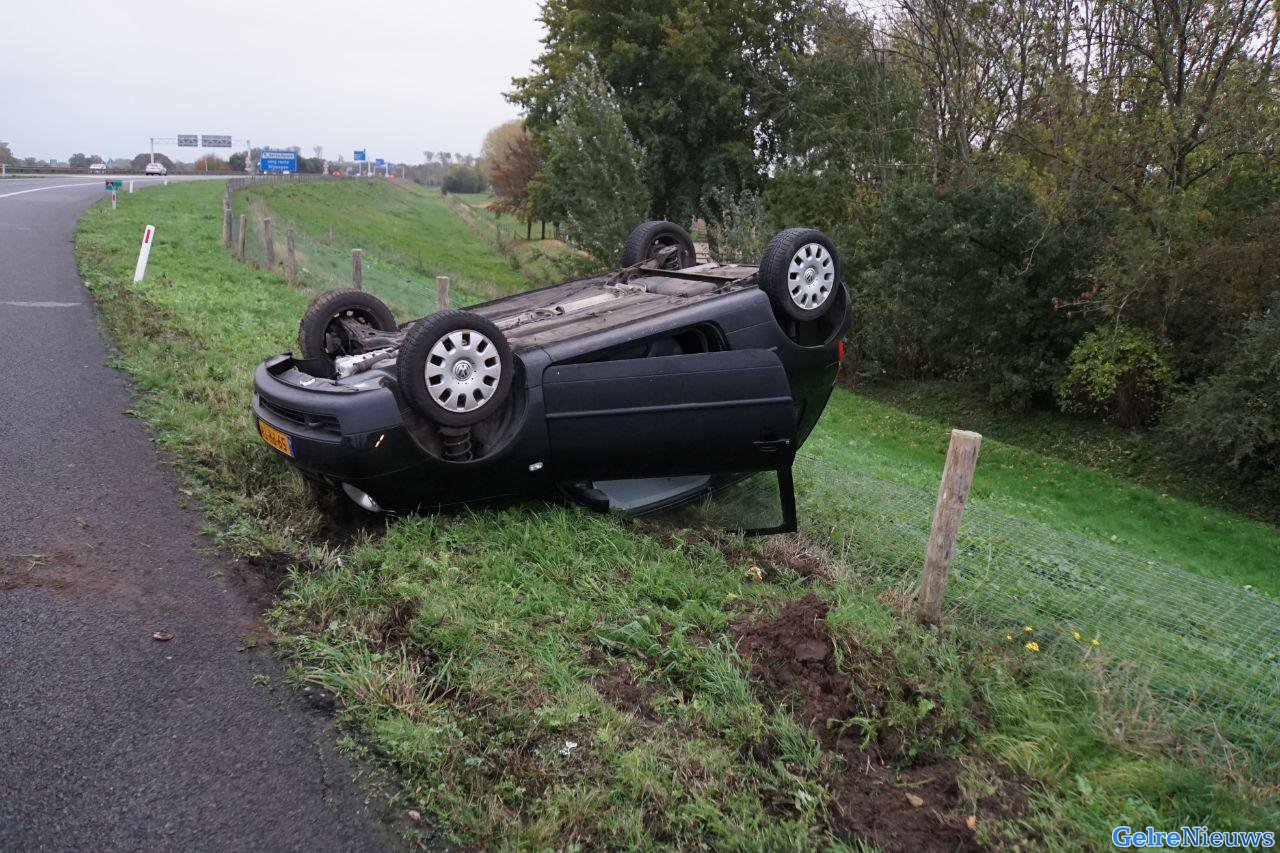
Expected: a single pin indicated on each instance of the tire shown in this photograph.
(320, 335)
(450, 377)
(800, 271)
(649, 237)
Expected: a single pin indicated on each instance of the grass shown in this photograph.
(544, 677)
(541, 261)
(408, 235)
(860, 434)
(411, 227)
(1135, 455)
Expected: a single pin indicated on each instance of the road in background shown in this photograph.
(110, 739)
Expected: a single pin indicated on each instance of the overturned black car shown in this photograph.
(631, 391)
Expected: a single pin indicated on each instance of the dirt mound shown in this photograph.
(879, 795)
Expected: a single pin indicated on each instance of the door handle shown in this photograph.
(771, 445)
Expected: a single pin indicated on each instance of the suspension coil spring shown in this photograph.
(457, 443)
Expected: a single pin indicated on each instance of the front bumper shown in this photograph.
(345, 433)
(360, 437)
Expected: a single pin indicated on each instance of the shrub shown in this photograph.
(1121, 373)
(967, 281)
(737, 230)
(464, 179)
(1231, 419)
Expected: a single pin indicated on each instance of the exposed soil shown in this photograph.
(769, 554)
(879, 796)
(617, 683)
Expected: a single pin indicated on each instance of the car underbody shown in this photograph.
(629, 391)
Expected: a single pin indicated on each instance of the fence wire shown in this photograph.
(1208, 652)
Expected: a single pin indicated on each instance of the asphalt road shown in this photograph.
(109, 739)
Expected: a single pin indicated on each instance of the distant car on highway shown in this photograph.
(155, 169)
(97, 167)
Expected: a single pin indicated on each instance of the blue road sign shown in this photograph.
(380, 162)
(277, 161)
(359, 155)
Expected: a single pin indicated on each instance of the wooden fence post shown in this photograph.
(290, 258)
(240, 237)
(957, 477)
(226, 226)
(442, 293)
(357, 275)
(270, 244)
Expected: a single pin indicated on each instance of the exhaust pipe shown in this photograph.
(362, 500)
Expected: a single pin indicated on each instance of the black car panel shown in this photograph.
(680, 414)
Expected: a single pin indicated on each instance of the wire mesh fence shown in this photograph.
(1207, 652)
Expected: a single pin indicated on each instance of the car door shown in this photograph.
(704, 413)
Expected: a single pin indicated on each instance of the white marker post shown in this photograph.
(145, 252)
(113, 199)
(131, 188)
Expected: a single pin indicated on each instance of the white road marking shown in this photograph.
(54, 187)
(41, 304)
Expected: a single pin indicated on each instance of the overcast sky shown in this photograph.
(395, 76)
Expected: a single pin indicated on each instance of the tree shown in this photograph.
(211, 163)
(6, 156)
(237, 161)
(499, 139)
(140, 162)
(846, 122)
(511, 160)
(82, 161)
(691, 78)
(595, 169)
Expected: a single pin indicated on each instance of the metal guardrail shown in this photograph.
(7, 171)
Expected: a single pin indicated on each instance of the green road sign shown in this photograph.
(113, 185)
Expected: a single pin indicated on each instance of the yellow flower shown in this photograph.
(1075, 634)
(1033, 647)
(1095, 641)
(1008, 636)
(1027, 629)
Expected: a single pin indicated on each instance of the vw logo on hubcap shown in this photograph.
(462, 370)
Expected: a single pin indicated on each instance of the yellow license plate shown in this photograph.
(275, 438)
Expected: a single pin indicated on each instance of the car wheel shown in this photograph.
(323, 332)
(650, 238)
(800, 271)
(455, 368)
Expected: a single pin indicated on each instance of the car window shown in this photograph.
(757, 502)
